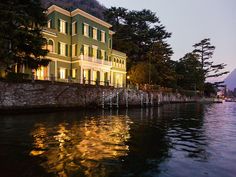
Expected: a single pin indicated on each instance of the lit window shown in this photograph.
(62, 28)
(41, 73)
(50, 45)
(86, 50)
(95, 51)
(103, 36)
(62, 49)
(95, 33)
(62, 73)
(73, 73)
(74, 28)
(74, 50)
(86, 30)
(49, 24)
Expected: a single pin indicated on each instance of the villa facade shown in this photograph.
(80, 50)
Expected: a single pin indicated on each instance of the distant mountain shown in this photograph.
(92, 7)
(230, 81)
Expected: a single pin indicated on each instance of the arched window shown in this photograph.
(50, 45)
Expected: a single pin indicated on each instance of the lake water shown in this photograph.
(178, 140)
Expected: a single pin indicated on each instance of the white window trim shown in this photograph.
(73, 27)
(103, 32)
(86, 46)
(95, 48)
(63, 21)
(103, 54)
(53, 47)
(61, 68)
(74, 72)
(73, 50)
(64, 49)
(86, 31)
(94, 28)
(49, 22)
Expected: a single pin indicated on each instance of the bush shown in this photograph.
(17, 77)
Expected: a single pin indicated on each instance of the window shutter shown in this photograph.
(52, 24)
(75, 27)
(70, 50)
(58, 24)
(82, 50)
(59, 48)
(58, 73)
(66, 50)
(75, 49)
(66, 73)
(90, 32)
(82, 28)
(90, 51)
(105, 37)
(98, 35)
(66, 27)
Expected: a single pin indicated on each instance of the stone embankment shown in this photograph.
(47, 95)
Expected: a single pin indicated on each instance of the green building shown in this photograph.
(81, 51)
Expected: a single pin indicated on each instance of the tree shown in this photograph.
(21, 40)
(205, 51)
(139, 73)
(159, 56)
(190, 73)
(138, 33)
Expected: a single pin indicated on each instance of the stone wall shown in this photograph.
(48, 95)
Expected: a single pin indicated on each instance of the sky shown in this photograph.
(190, 21)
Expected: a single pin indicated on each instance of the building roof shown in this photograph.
(77, 11)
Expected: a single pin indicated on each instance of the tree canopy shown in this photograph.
(143, 38)
(21, 40)
(204, 50)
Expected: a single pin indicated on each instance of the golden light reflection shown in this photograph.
(81, 147)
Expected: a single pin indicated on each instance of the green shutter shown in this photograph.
(58, 24)
(105, 37)
(75, 27)
(59, 48)
(90, 31)
(75, 49)
(58, 73)
(82, 28)
(66, 28)
(82, 50)
(70, 50)
(90, 51)
(66, 50)
(98, 35)
(66, 72)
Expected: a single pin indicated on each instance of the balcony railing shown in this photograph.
(95, 60)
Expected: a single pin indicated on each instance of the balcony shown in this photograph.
(95, 60)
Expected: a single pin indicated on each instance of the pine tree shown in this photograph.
(21, 40)
(205, 51)
(143, 38)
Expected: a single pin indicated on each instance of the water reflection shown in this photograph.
(82, 148)
(179, 140)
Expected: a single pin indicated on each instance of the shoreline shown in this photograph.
(27, 97)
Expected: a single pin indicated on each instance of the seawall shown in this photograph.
(47, 95)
